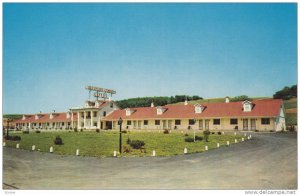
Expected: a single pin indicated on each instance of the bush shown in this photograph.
(37, 131)
(128, 141)
(189, 127)
(219, 133)
(166, 131)
(256, 130)
(186, 135)
(124, 131)
(189, 139)
(81, 130)
(26, 132)
(13, 138)
(175, 127)
(206, 134)
(97, 130)
(213, 133)
(75, 129)
(58, 140)
(137, 144)
(198, 138)
(126, 149)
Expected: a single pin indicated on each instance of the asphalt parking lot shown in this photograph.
(267, 161)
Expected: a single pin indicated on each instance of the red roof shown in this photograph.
(45, 118)
(260, 108)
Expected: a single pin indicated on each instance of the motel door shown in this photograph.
(200, 124)
(206, 124)
(164, 124)
(139, 124)
(169, 124)
(245, 124)
(253, 124)
(134, 124)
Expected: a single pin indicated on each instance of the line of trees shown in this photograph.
(158, 101)
(286, 93)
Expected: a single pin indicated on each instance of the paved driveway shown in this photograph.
(268, 161)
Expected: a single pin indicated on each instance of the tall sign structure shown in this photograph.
(100, 92)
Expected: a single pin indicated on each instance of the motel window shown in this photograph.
(47, 124)
(145, 122)
(233, 121)
(88, 115)
(177, 122)
(128, 122)
(191, 122)
(53, 124)
(82, 114)
(23, 124)
(104, 113)
(217, 121)
(157, 122)
(111, 105)
(94, 114)
(63, 124)
(265, 121)
(69, 123)
(95, 124)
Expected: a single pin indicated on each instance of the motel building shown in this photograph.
(261, 115)
(50, 121)
(87, 117)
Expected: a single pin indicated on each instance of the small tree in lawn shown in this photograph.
(206, 134)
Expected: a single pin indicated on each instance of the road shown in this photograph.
(267, 161)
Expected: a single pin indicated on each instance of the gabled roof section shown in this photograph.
(262, 108)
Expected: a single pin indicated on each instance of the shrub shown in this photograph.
(198, 138)
(75, 129)
(186, 135)
(189, 127)
(256, 130)
(213, 133)
(97, 130)
(127, 127)
(124, 131)
(128, 141)
(13, 138)
(272, 131)
(219, 133)
(81, 130)
(166, 131)
(26, 132)
(175, 127)
(126, 149)
(58, 140)
(189, 139)
(206, 134)
(38, 131)
(137, 144)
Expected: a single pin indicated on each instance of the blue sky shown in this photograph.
(52, 51)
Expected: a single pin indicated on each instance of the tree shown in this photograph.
(286, 93)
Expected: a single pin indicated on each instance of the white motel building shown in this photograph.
(261, 115)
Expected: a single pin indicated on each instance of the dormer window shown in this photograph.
(36, 117)
(24, 117)
(68, 115)
(247, 106)
(160, 110)
(128, 111)
(198, 108)
(51, 116)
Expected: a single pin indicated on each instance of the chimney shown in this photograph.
(227, 100)
(152, 104)
(185, 102)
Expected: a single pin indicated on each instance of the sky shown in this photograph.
(52, 51)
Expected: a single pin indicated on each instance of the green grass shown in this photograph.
(104, 143)
(291, 119)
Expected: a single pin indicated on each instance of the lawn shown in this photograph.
(104, 143)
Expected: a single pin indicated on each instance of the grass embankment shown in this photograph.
(104, 143)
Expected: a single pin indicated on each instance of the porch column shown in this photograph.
(72, 119)
(84, 119)
(92, 115)
(78, 121)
